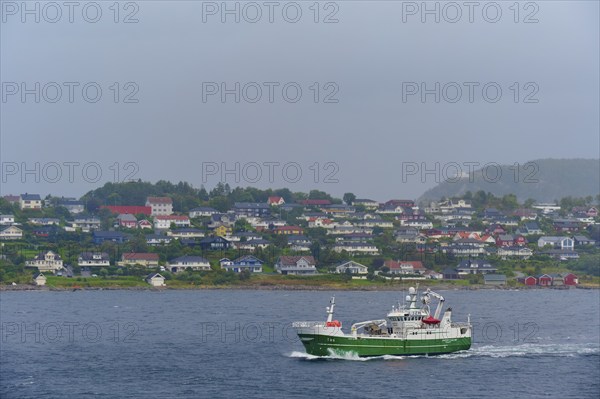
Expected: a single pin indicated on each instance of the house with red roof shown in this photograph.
(529, 280)
(405, 266)
(275, 201)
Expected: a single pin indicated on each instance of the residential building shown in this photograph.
(93, 259)
(160, 206)
(147, 259)
(547, 208)
(192, 262)
(186, 233)
(514, 252)
(249, 209)
(202, 211)
(252, 245)
(163, 222)
(366, 203)
(275, 201)
(158, 239)
(248, 262)
(556, 242)
(98, 237)
(357, 248)
(351, 267)
(475, 266)
(127, 220)
(11, 233)
(296, 265)
(155, 280)
(288, 230)
(86, 224)
(405, 266)
(144, 224)
(73, 206)
(494, 279)
(46, 262)
(215, 243)
(299, 242)
(30, 201)
(7, 220)
(43, 221)
(583, 240)
(39, 279)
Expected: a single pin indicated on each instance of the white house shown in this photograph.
(39, 279)
(514, 252)
(556, 242)
(86, 224)
(203, 211)
(354, 267)
(11, 233)
(296, 265)
(547, 208)
(30, 201)
(160, 205)
(188, 261)
(163, 222)
(156, 280)
(7, 220)
(93, 259)
(356, 247)
(365, 202)
(46, 262)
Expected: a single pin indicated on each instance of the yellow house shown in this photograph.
(223, 231)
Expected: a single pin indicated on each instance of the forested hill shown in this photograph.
(186, 197)
(542, 180)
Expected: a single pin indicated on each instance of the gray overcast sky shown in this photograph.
(367, 61)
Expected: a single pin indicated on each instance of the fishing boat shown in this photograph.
(410, 329)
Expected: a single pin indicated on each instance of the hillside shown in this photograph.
(541, 180)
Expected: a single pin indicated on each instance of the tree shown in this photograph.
(349, 198)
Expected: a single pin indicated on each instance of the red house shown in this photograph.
(570, 279)
(520, 241)
(544, 280)
(529, 280)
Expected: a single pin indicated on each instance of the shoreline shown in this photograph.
(283, 287)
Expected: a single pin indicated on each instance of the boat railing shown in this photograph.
(307, 324)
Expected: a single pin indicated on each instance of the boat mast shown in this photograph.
(330, 309)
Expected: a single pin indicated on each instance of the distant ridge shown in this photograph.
(543, 180)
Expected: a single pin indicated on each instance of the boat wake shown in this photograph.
(342, 356)
(527, 350)
(524, 350)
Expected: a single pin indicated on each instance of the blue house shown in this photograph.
(248, 262)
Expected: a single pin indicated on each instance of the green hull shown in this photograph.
(326, 345)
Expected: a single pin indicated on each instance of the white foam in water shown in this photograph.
(569, 350)
(526, 350)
